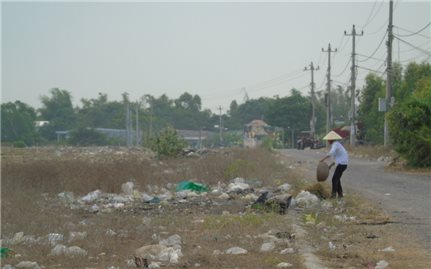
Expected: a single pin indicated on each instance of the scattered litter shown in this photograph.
(331, 246)
(237, 187)
(54, 238)
(193, 186)
(73, 251)
(127, 188)
(381, 264)
(388, 249)
(266, 247)
(306, 199)
(284, 265)
(90, 197)
(310, 219)
(27, 265)
(171, 240)
(159, 252)
(287, 251)
(217, 252)
(285, 187)
(5, 252)
(371, 236)
(236, 251)
(17, 239)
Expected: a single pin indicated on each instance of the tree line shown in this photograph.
(411, 89)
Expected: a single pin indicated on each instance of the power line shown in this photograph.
(369, 69)
(381, 42)
(369, 57)
(344, 70)
(413, 46)
(415, 33)
(407, 50)
(372, 10)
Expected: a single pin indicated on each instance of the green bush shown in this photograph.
(167, 143)
(87, 137)
(19, 144)
(410, 129)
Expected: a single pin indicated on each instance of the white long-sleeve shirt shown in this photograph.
(339, 153)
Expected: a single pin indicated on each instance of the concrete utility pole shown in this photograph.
(220, 128)
(138, 137)
(128, 126)
(388, 75)
(328, 90)
(353, 87)
(313, 104)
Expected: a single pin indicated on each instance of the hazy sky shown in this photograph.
(210, 49)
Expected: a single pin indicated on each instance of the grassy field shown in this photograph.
(41, 193)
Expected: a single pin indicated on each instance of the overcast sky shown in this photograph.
(220, 50)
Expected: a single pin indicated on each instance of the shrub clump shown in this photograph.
(410, 126)
(168, 143)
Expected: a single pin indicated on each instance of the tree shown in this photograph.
(368, 113)
(87, 137)
(290, 112)
(58, 110)
(410, 127)
(252, 109)
(410, 118)
(100, 113)
(17, 123)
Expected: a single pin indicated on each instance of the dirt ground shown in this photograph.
(45, 203)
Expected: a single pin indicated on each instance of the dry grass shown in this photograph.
(359, 240)
(32, 178)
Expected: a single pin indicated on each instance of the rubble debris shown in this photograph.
(236, 251)
(266, 247)
(306, 199)
(388, 249)
(381, 264)
(27, 265)
(284, 265)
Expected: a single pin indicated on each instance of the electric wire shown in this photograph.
(414, 33)
(373, 58)
(368, 21)
(413, 46)
(344, 70)
(410, 49)
(368, 69)
(378, 47)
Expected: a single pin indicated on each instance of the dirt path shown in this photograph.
(405, 197)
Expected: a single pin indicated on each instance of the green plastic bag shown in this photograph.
(193, 186)
(4, 252)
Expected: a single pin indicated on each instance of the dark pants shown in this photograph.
(336, 180)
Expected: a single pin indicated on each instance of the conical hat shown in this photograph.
(332, 136)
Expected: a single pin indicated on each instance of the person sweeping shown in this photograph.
(341, 157)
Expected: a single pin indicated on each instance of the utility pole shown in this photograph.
(220, 128)
(128, 125)
(353, 87)
(388, 75)
(328, 90)
(313, 116)
(137, 125)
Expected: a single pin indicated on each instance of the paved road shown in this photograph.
(405, 197)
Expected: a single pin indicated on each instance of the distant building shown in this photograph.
(256, 131)
(196, 138)
(119, 135)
